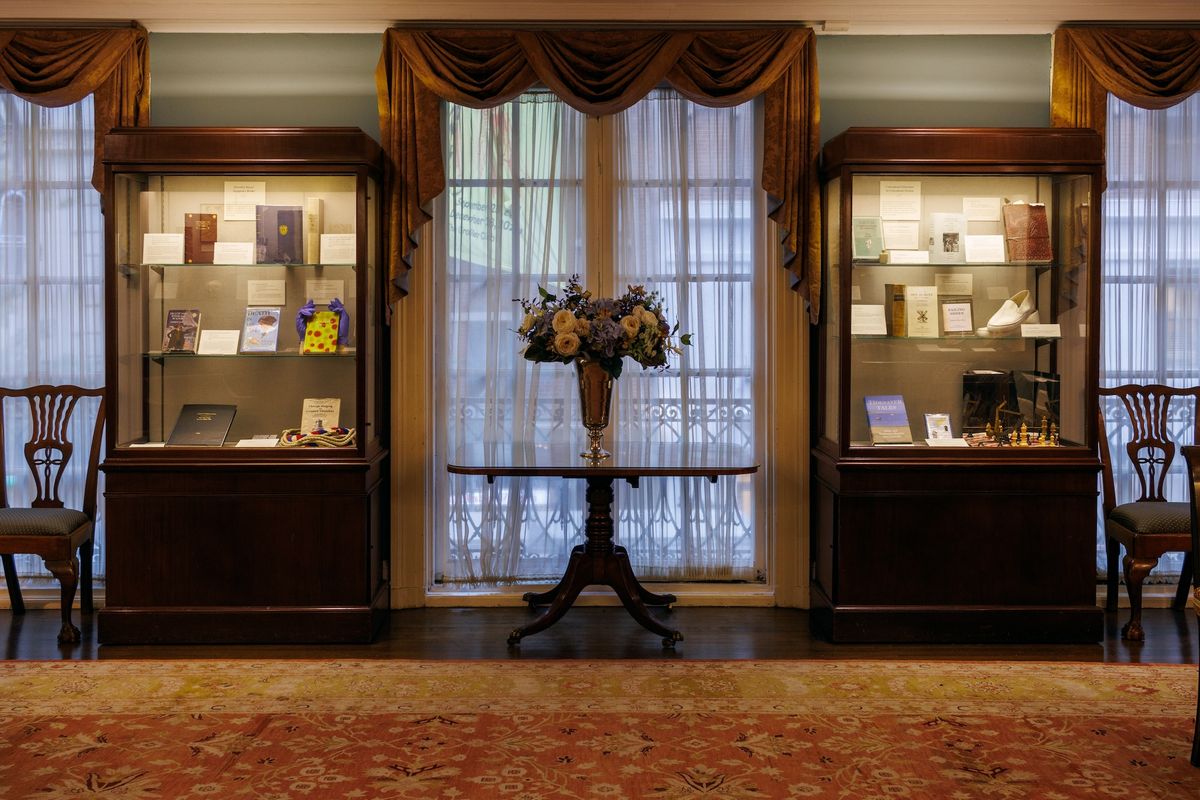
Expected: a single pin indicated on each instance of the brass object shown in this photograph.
(595, 400)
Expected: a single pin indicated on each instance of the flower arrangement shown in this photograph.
(573, 325)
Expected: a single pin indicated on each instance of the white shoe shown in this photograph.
(1015, 310)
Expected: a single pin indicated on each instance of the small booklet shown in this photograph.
(202, 425)
(888, 419)
(321, 333)
(260, 334)
(279, 237)
(181, 330)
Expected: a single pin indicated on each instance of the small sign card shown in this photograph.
(233, 253)
(218, 342)
(241, 198)
(322, 291)
(867, 320)
(985, 248)
(266, 293)
(339, 248)
(937, 426)
(1048, 330)
(162, 248)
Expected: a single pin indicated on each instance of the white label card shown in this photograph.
(982, 208)
(901, 235)
(241, 197)
(266, 293)
(218, 342)
(951, 284)
(339, 248)
(162, 248)
(899, 200)
(1042, 331)
(867, 320)
(985, 248)
(233, 253)
(907, 256)
(322, 291)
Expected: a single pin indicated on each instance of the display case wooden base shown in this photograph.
(243, 553)
(908, 551)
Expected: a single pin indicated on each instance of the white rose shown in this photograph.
(563, 322)
(631, 325)
(566, 344)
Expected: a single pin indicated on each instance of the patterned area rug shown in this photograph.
(523, 730)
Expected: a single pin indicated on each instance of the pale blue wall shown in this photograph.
(264, 79)
(329, 79)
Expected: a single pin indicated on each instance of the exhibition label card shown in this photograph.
(985, 248)
(900, 199)
(950, 284)
(218, 342)
(233, 253)
(323, 291)
(1049, 330)
(982, 208)
(241, 198)
(339, 248)
(266, 293)
(162, 248)
(901, 235)
(867, 320)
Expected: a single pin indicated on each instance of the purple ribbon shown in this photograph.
(335, 305)
(302, 317)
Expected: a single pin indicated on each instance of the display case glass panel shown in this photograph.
(218, 277)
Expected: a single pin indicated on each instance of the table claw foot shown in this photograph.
(515, 636)
(669, 641)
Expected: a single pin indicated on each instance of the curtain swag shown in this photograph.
(598, 73)
(59, 66)
(1146, 67)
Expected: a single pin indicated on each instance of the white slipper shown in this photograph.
(1015, 310)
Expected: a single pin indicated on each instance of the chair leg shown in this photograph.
(1136, 570)
(85, 576)
(1184, 591)
(1113, 550)
(14, 584)
(67, 573)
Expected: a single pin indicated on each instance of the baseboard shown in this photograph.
(1155, 595)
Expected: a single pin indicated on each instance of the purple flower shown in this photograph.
(604, 337)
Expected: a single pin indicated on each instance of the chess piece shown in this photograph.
(1024, 439)
(991, 434)
(1054, 434)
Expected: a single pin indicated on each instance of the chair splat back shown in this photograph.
(1150, 448)
(49, 449)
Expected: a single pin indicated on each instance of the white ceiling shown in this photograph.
(365, 16)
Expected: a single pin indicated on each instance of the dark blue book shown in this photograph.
(888, 419)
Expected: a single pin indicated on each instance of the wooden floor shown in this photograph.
(602, 633)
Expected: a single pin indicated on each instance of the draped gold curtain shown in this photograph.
(1146, 67)
(59, 66)
(602, 72)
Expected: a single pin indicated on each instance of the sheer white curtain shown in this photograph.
(685, 200)
(525, 184)
(51, 271)
(1150, 310)
(514, 220)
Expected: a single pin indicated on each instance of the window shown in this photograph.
(1150, 290)
(665, 195)
(51, 269)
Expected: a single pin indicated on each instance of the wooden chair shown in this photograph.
(1191, 455)
(49, 528)
(1149, 526)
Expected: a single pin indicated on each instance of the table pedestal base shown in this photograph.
(598, 561)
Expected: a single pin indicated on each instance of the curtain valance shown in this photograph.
(603, 72)
(59, 66)
(1145, 67)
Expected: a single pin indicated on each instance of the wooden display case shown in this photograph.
(234, 536)
(969, 314)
